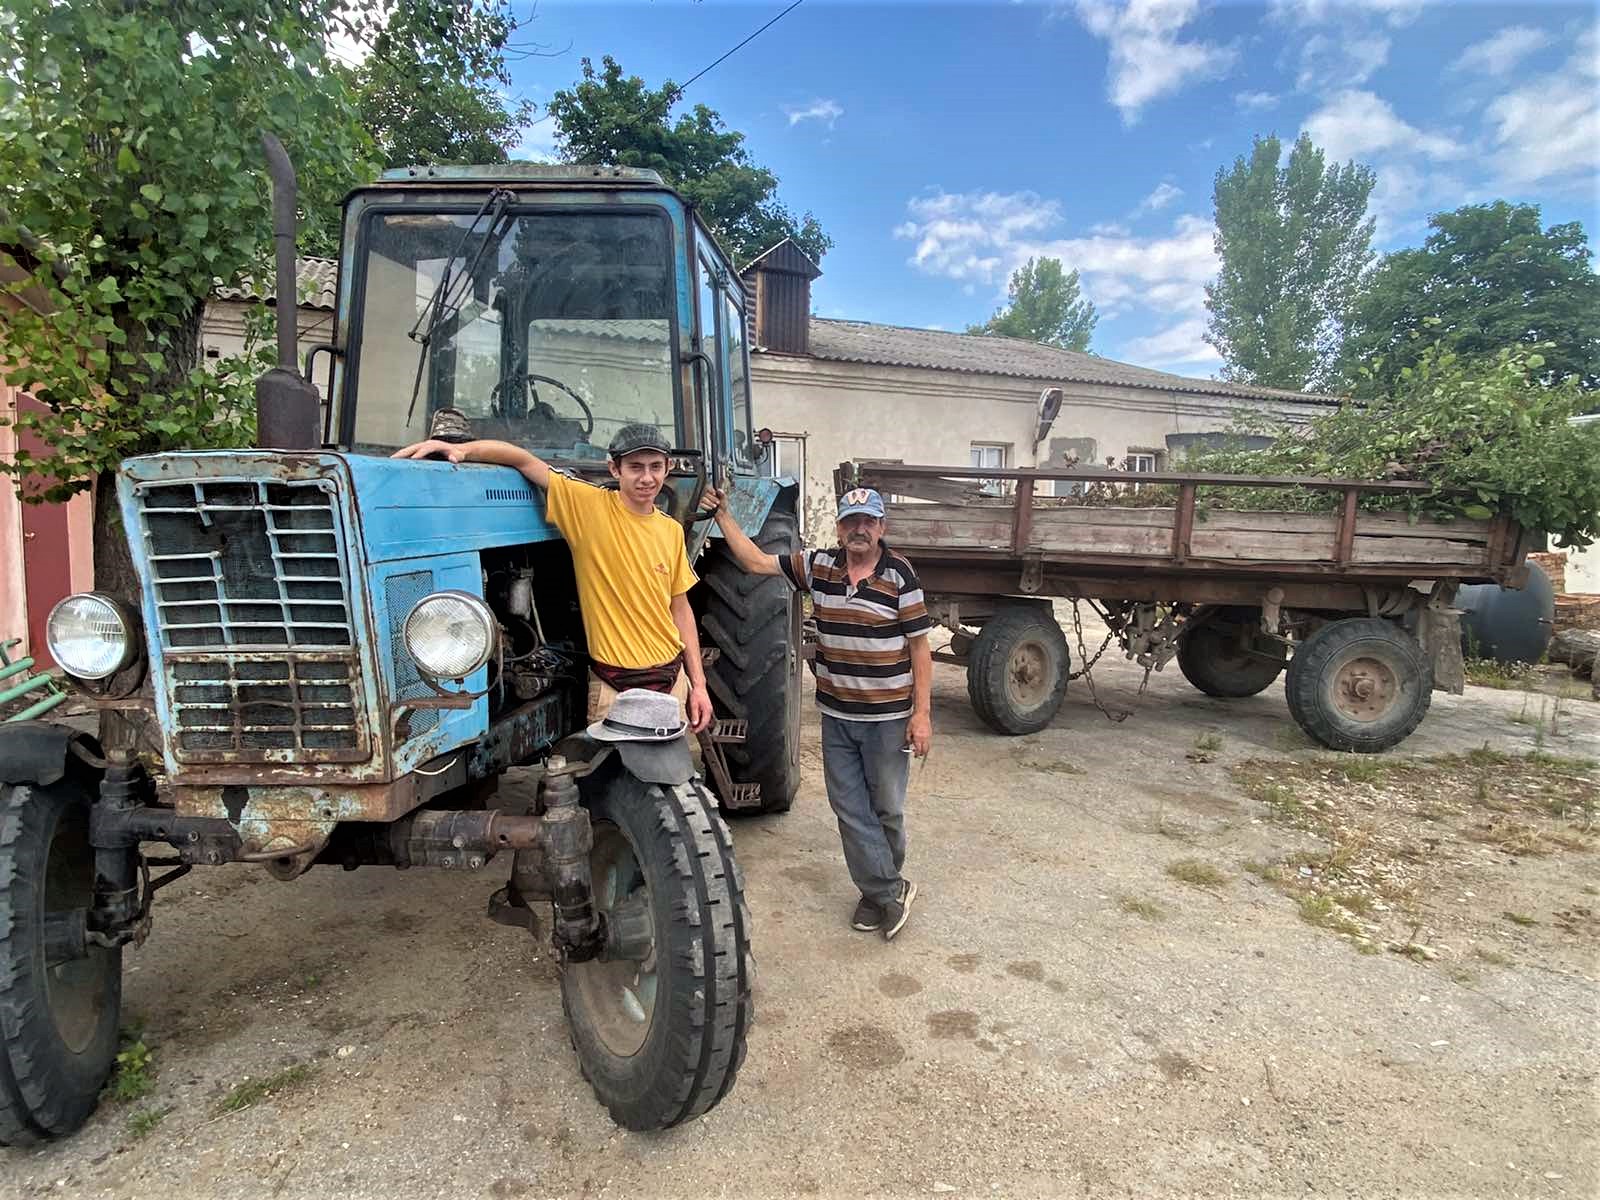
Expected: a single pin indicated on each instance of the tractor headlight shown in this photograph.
(450, 634)
(90, 636)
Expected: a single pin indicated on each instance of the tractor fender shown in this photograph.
(40, 752)
(666, 763)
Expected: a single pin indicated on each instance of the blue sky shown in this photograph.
(942, 144)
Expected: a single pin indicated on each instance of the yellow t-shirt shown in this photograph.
(629, 567)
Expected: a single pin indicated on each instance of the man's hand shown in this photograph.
(700, 714)
(919, 734)
(429, 448)
(712, 501)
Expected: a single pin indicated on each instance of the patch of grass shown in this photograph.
(143, 1122)
(133, 1077)
(310, 983)
(1269, 872)
(1517, 918)
(1138, 906)
(1206, 747)
(252, 1091)
(1486, 672)
(1367, 946)
(1485, 757)
(1196, 872)
(1324, 913)
(1492, 957)
(1589, 889)
(1540, 758)
(1357, 902)
(1510, 837)
(1360, 768)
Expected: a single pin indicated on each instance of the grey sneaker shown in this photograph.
(898, 911)
(868, 916)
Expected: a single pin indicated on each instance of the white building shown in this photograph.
(834, 390)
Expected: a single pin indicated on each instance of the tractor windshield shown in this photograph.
(548, 329)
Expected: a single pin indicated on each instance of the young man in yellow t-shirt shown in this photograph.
(632, 569)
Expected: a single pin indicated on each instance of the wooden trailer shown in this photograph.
(1355, 604)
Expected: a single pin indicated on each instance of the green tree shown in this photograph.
(1293, 241)
(615, 120)
(432, 89)
(131, 179)
(1487, 277)
(1044, 304)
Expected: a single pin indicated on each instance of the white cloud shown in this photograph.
(1255, 101)
(1182, 344)
(1147, 58)
(817, 110)
(538, 143)
(1346, 58)
(1550, 129)
(981, 237)
(1164, 194)
(1358, 124)
(1498, 54)
(1110, 229)
(969, 235)
(1317, 12)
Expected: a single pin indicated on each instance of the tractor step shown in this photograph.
(728, 731)
(745, 795)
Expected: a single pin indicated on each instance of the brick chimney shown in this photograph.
(778, 284)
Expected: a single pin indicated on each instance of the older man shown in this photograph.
(874, 684)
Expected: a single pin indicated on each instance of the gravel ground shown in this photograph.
(1061, 1018)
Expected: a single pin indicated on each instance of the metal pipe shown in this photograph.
(288, 407)
(284, 200)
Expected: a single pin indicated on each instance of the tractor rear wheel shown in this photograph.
(755, 621)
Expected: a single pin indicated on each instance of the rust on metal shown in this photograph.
(1344, 547)
(1183, 523)
(1022, 516)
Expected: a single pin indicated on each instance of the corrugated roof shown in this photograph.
(897, 346)
(318, 281)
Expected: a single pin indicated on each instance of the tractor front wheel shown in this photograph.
(60, 999)
(659, 1023)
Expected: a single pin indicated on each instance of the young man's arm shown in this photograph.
(502, 454)
(745, 552)
(699, 698)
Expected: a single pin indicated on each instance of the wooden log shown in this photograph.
(1577, 648)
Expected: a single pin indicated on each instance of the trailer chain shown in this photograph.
(1088, 667)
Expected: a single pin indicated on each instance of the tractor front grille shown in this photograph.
(253, 610)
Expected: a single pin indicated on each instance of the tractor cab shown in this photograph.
(549, 306)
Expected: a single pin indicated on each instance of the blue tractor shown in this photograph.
(336, 655)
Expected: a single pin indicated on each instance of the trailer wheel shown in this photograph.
(756, 622)
(1360, 684)
(660, 1028)
(1222, 659)
(59, 1004)
(1017, 671)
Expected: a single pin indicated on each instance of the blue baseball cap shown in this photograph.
(860, 500)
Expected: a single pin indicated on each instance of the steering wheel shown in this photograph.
(588, 413)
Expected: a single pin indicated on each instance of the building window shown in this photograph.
(989, 454)
(1139, 460)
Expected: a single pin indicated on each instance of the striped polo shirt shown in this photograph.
(863, 632)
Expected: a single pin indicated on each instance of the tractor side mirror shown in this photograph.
(761, 444)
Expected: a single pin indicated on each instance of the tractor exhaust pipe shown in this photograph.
(288, 408)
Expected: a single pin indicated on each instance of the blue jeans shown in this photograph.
(867, 772)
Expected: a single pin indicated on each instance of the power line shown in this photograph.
(676, 91)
